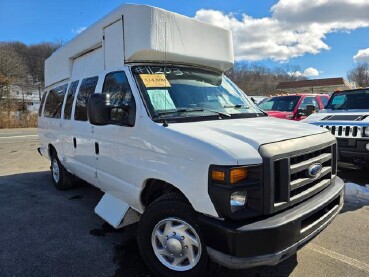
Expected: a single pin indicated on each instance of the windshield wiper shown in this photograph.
(238, 106)
(189, 110)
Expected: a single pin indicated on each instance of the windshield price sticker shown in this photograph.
(155, 81)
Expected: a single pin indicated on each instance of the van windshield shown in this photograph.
(349, 100)
(184, 92)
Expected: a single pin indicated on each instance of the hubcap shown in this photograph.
(56, 173)
(176, 244)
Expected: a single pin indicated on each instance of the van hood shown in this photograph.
(240, 135)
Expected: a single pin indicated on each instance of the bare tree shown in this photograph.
(257, 79)
(12, 68)
(359, 75)
(37, 54)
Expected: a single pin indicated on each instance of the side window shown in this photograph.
(324, 100)
(85, 90)
(309, 101)
(69, 101)
(42, 103)
(54, 102)
(117, 87)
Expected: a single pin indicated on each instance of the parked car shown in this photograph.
(346, 116)
(294, 106)
(151, 120)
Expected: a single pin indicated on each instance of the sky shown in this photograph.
(325, 38)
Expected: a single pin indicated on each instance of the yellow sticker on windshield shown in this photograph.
(155, 80)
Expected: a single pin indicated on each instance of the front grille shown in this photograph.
(345, 131)
(292, 183)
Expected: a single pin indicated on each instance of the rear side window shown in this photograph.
(54, 102)
(42, 103)
(324, 100)
(85, 90)
(69, 101)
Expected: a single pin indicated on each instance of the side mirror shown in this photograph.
(300, 112)
(100, 112)
(310, 109)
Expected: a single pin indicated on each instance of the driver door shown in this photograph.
(116, 154)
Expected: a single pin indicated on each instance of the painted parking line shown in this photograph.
(24, 136)
(337, 256)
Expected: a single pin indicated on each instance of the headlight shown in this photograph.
(366, 131)
(236, 191)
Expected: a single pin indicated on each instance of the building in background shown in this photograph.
(26, 96)
(328, 86)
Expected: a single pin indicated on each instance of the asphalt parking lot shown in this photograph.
(45, 232)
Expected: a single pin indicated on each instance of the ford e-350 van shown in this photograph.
(138, 106)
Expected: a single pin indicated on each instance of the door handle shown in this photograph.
(97, 150)
(75, 143)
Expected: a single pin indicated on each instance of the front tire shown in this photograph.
(170, 240)
(61, 178)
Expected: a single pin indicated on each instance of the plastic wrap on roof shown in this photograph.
(150, 35)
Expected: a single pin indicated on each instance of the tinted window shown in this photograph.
(54, 102)
(42, 103)
(309, 101)
(280, 103)
(349, 100)
(69, 101)
(117, 87)
(85, 90)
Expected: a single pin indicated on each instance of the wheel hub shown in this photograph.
(174, 246)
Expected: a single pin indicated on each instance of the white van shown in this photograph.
(138, 106)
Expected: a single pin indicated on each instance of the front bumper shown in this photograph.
(353, 150)
(271, 240)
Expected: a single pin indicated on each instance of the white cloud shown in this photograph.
(311, 72)
(308, 72)
(362, 55)
(294, 28)
(76, 31)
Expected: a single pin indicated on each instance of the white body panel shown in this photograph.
(138, 33)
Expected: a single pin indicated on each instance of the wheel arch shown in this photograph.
(155, 188)
(51, 150)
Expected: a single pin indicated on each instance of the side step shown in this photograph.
(116, 212)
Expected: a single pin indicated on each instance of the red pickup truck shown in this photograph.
(294, 106)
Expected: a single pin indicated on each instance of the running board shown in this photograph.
(116, 212)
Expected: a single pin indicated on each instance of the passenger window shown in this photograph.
(309, 101)
(117, 87)
(54, 102)
(42, 103)
(85, 90)
(69, 101)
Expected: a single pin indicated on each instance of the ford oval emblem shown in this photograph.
(315, 170)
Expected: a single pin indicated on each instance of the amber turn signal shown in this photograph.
(217, 175)
(238, 174)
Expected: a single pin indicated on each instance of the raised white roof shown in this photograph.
(150, 35)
